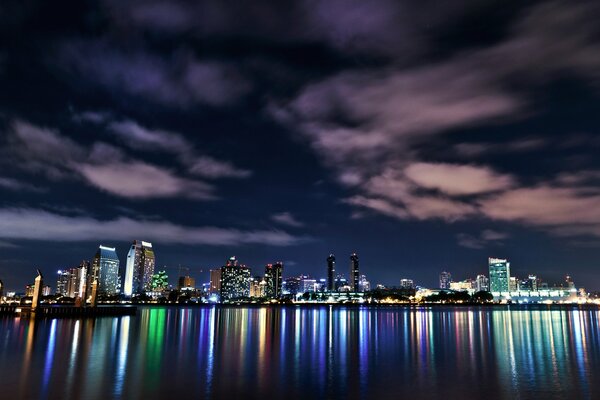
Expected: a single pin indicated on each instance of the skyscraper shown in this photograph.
(331, 273)
(354, 275)
(445, 279)
(235, 280)
(139, 269)
(106, 269)
(499, 275)
(215, 281)
(482, 283)
(71, 282)
(273, 277)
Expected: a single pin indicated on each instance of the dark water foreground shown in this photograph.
(289, 352)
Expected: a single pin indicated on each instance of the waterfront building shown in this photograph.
(274, 279)
(105, 269)
(62, 282)
(29, 290)
(445, 279)
(292, 285)
(139, 269)
(513, 284)
(215, 281)
(258, 287)
(1, 289)
(354, 274)
(482, 283)
(499, 275)
(235, 280)
(364, 284)
(341, 284)
(186, 283)
(46, 290)
(331, 273)
(407, 283)
(72, 282)
(308, 285)
(468, 285)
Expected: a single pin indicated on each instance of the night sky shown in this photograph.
(425, 136)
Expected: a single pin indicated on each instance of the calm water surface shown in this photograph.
(305, 353)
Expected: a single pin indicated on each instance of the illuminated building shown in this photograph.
(46, 290)
(331, 273)
(105, 268)
(29, 289)
(258, 287)
(445, 279)
(499, 275)
(308, 285)
(215, 281)
(274, 279)
(513, 284)
(186, 283)
(354, 274)
(364, 284)
(482, 283)
(1, 289)
(292, 285)
(341, 284)
(62, 283)
(407, 284)
(235, 280)
(139, 268)
(71, 282)
(468, 285)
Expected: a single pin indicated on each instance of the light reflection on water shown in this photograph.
(305, 352)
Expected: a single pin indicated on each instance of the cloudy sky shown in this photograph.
(425, 136)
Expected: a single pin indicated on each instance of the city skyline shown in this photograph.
(425, 138)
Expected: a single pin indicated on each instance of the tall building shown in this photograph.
(482, 283)
(72, 282)
(445, 279)
(139, 269)
(235, 280)
(1, 289)
(354, 275)
(215, 281)
(407, 284)
(499, 275)
(331, 273)
(364, 284)
(513, 284)
(186, 283)
(62, 282)
(105, 268)
(308, 284)
(258, 287)
(293, 285)
(274, 279)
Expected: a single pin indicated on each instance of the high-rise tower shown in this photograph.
(445, 279)
(354, 275)
(106, 269)
(499, 275)
(140, 268)
(273, 277)
(331, 273)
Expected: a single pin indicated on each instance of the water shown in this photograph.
(291, 352)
